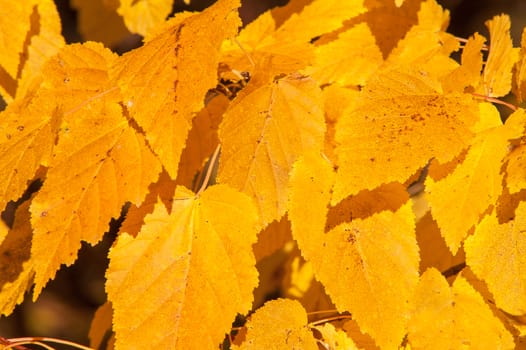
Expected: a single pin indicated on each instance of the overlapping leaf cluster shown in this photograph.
(348, 106)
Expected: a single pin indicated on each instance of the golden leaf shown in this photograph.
(141, 16)
(32, 35)
(98, 164)
(164, 82)
(362, 58)
(263, 132)
(317, 18)
(453, 318)
(458, 201)
(279, 325)
(401, 121)
(16, 267)
(468, 73)
(427, 42)
(349, 261)
(335, 339)
(497, 254)
(287, 47)
(180, 283)
(496, 79)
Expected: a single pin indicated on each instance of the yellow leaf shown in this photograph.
(400, 123)
(98, 21)
(287, 47)
(362, 58)
(453, 318)
(34, 35)
(43, 45)
(16, 267)
(165, 81)
(427, 41)
(317, 18)
(141, 16)
(458, 201)
(279, 325)
(180, 283)
(263, 132)
(497, 254)
(256, 43)
(335, 339)
(14, 27)
(496, 79)
(468, 73)
(25, 143)
(349, 261)
(427, 45)
(98, 164)
(519, 72)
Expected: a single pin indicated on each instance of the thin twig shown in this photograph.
(495, 100)
(211, 166)
(39, 340)
(329, 319)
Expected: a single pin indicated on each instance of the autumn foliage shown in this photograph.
(337, 139)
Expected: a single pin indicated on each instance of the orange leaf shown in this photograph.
(98, 164)
(458, 201)
(453, 318)
(497, 254)
(165, 81)
(263, 132)
(279, 325)
(180, 283)
(400, 123)
(350, 261)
